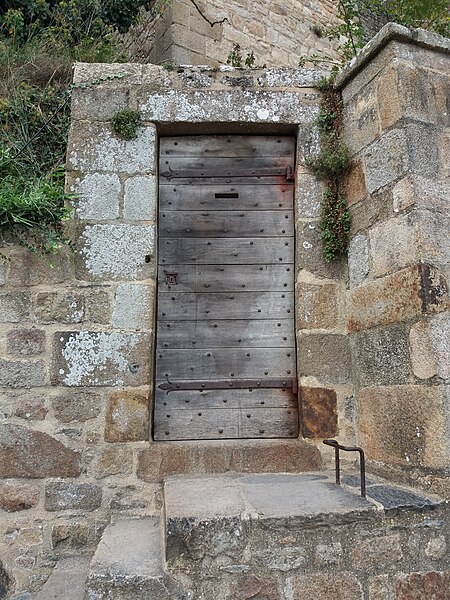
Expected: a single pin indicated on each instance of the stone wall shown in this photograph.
(76, 336)
(76, 368)
(278, 32)
(396, 125)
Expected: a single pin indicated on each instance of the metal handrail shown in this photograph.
(362, 462)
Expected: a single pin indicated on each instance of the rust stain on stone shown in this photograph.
(319, 412)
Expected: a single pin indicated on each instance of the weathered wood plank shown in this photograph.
(226, 251)
(232, 145)
(225, 399)
(222, 166)
(219, 224)
(226, 197)
(220, 363)
(229, 334)
(235, 305)
(223, 424)
(227, 278)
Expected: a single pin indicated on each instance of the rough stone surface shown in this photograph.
(386, 159)
(114, 461)
(31, 406)
(308, 196)
(98, 196)
(14, 306)
(2, 271)
(358, 259)
(241, 106)
(22, 374)
(140, 198)
(430, 347)
(322, 586)
(4, 581)
(379, 553)
(319, 412)
(61, 495)
(316, 306)
(420, 236)
(326, 357)
(25, 341)
(424, 586)
(308, 251)
(137, 573)
(92, 147)
(355, 183)
(423, 437)
(68, 579)
(98, 103)
(76, 406)
(132, 307)
(127, 417)
(26, 268)
(116, 251)
(397, 297)
(382, 355)
(16, 496)
(241, 456)
(34, 454)
(83, 358)
(67, 535)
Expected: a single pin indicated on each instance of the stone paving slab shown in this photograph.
(128, 564)
(261, 496)
(67, 581)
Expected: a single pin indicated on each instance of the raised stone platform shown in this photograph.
(277, 537)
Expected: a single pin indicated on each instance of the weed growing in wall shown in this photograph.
(330, 166)
(125, 123)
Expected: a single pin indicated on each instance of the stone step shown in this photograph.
(68, 579)
(284, 536)
(215, 515)
(128, 564)
(164, 459)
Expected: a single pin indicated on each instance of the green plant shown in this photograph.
(125, 123)
(235, 58)
(331, 165)
(32, 210)
(335, 223)
(428, 14)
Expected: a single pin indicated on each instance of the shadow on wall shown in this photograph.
(4, 581)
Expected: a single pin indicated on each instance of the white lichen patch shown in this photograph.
(140, 198)
(117, 251)
(86, 353)
(96, 148)
(98, 196)
(227, 106)
(288, 78)
(132, 306)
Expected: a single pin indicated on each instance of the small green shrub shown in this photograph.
(32, 210)
(334, 224)
(125, 123)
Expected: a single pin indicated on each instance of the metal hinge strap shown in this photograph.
(285, 172)
(227, 384)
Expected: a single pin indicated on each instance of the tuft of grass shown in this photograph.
(125, 123)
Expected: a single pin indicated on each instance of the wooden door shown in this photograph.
(225, 355)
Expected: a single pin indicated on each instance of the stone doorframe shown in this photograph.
(115, 223)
